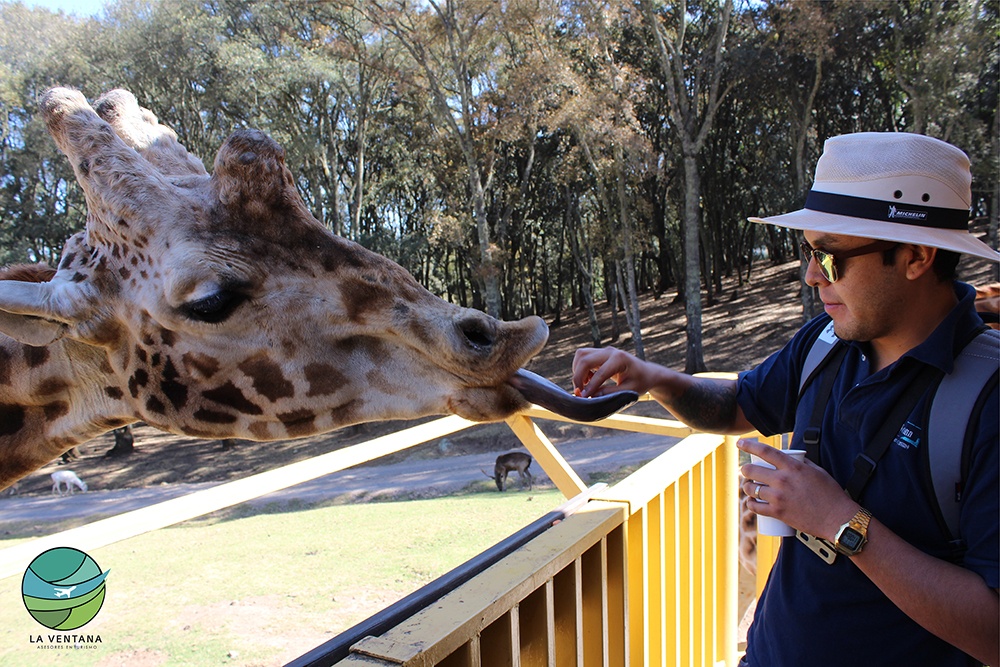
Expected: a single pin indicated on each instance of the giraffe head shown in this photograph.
(217, 306)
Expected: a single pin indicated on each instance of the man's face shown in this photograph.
(868, 300)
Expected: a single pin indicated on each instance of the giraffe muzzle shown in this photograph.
(551, 396)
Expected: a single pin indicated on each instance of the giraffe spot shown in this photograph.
(11, 419)
(140, 378)
(214, 416)
(175, 391)
(51, 386)
(324, 379)
(124, 273)
(348, 413)
(154, 360)
(55, 409)
(231, 396)
(261, 430)
(114, 392)
(5, 366)
(108, 333)
(268, 380)
(141, 355)
(68, 259)
(79, 277)
(168, 337)
(35, 356)
(195, 362)
(298, 422)
(153, 404)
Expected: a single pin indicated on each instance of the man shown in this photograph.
(883, 226)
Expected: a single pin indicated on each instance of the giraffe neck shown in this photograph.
(49, 403)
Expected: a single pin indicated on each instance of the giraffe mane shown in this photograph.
(28, 273)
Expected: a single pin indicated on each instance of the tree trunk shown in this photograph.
(694, 358)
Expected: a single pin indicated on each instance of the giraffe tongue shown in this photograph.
(541, 392)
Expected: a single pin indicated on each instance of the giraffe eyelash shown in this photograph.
(216, 307)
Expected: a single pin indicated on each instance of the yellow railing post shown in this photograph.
(552, 462)
(728, 498)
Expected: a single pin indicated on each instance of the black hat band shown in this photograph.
(875, 209)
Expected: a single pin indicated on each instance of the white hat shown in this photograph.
(892, 186)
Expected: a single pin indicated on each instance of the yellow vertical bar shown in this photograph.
(767, 551)
(567, 617)
(637, 577)
(685, 634)
(655, 586)
(617, 599)
(533, 637)
(594, 596)
(673, 578)
(767, 546)
(698, 564)
(727, 474)
(495, 642)
(710, 549)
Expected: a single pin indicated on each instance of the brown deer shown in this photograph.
(508, 463)
(216, 306)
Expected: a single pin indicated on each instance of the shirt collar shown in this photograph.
(952, 334)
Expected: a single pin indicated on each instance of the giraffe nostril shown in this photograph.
(477, 334)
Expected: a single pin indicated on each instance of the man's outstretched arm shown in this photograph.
(706, 404)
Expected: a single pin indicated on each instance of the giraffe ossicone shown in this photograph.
(215, 305)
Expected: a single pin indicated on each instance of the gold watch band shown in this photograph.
(853, 535)
(861, 520)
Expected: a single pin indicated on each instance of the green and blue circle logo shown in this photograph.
(63, 588)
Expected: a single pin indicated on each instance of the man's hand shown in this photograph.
(800, 493)
(593, 368)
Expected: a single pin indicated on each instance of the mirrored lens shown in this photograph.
(826, 265)
(825, 260)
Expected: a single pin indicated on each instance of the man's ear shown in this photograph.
(919, 259)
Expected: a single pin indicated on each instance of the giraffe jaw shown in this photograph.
(536, 389)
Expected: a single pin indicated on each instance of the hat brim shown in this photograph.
(946, 239)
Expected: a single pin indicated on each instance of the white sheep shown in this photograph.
(65, 480)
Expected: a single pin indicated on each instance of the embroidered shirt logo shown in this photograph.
(908, 436)
(897, 213)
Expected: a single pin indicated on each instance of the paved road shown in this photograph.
(410, 478)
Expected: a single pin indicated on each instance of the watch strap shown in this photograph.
(858, 523)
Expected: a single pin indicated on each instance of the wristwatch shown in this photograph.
(853, 535)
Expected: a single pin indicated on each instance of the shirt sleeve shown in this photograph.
(769, 394)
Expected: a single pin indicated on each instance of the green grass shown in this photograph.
(263, 588)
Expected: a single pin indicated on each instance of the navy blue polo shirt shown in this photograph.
(815, 614)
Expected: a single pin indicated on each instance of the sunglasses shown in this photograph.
(827, 261)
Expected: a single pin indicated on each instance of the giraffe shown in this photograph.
(216, 306)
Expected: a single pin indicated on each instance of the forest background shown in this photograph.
(520, 156)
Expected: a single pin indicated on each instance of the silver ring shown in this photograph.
(756, 491)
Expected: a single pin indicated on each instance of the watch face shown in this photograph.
(851, 539)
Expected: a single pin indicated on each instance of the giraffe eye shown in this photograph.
(216, 307)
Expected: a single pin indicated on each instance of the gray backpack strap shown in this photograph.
(951, 411)
(821, 347)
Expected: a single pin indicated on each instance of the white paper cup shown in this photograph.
(768, 525)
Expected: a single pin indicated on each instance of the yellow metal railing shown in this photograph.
(646, 573)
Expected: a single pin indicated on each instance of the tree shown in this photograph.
(691, 43)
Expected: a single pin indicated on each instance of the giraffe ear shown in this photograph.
(31, 330)
(38, 313)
